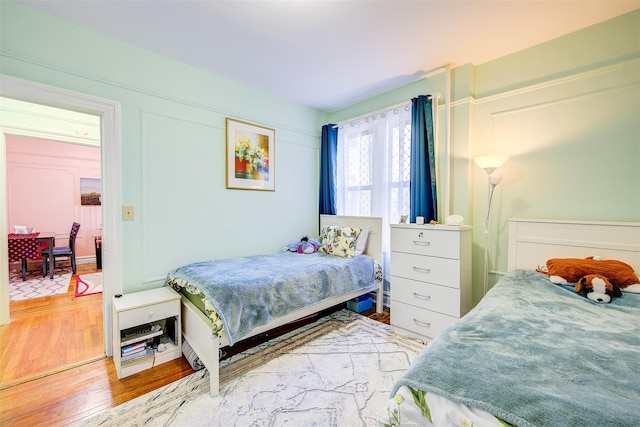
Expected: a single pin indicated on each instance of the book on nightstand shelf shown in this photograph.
(137, 355)
(134, 355)
(133, 348)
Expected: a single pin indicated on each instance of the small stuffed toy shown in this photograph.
(304, 246)
(597, 288)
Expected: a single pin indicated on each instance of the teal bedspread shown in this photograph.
(249, 292)
(536, 354)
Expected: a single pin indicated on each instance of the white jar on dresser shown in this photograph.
(430, 277)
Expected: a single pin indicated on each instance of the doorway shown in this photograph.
(50, 154)
(109, 113)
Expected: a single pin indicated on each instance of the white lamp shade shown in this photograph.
(493, 161)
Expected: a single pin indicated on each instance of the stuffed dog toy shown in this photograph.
(597, 288)
(562, 271)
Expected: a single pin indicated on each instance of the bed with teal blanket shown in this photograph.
(228, 300)
(532, 353)
(248, 292)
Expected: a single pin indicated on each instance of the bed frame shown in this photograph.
(532, 242)
(196, 327)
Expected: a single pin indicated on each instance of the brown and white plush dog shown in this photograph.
(562, 271)
(597, 288)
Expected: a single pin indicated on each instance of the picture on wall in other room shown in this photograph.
(90, 191)
(250, 156)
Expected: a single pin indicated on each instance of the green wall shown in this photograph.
(567, 112)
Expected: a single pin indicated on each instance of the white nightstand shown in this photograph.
(430, 277)
(146, 330)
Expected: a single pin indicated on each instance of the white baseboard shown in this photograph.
(86, 260)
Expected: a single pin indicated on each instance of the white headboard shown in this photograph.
(374, 224)
(532, 242)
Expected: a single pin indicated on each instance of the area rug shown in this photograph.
(88, 284)
(337, 371)
(38, 287)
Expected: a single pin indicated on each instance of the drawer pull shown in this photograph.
(423, 324)
(151, 313)
(424, 297)
(421, 243)
(422, 270)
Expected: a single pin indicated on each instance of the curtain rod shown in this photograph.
(383, 110)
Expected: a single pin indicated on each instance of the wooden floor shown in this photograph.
(82, 389)
(51, 333)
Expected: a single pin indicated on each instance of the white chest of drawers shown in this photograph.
(430, 277)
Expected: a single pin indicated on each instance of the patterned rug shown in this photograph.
(38, 287)
(334, 372)
(88, 284)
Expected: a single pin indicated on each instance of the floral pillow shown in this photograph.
(339, 240)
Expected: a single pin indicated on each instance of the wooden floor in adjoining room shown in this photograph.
(82, 389)
(51, 333)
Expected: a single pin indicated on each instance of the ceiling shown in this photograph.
(332, 54)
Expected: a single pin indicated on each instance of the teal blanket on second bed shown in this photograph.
(248, 292)
(535, 354)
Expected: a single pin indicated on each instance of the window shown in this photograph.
(373, 169)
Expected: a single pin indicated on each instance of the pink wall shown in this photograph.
(43, 189)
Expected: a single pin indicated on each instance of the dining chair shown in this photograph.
(62, 251)
(21, 248)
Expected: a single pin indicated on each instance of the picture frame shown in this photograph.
(90, 192)
(404, 219)
(250, 156)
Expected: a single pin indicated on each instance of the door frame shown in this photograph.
(109, 113)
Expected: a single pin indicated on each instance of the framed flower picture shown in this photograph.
(250, 156)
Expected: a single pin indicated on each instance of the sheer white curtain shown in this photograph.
(372, 176)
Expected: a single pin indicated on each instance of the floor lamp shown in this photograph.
(489, 164)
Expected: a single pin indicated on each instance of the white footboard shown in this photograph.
(197, 332)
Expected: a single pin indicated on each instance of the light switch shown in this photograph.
(127, 213)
